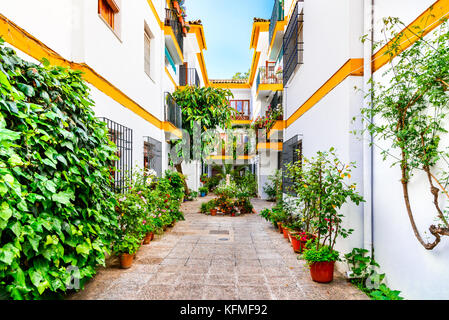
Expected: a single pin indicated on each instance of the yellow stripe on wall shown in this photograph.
(353, 67)
(430, 19)
(427, 21)
(28, 44)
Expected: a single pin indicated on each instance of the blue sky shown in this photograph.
(227, 26)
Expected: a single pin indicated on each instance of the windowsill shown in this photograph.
(110, 28)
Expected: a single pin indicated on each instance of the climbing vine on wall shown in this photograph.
(411, 113)
(57, 211)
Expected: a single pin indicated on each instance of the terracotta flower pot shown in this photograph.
(152, 236)
(213, 212)
(280, 227)
(298, 245)
(254, 210)
(322, 272)
(285, 231)
(176, 6)
(147, 238)
(126, 260)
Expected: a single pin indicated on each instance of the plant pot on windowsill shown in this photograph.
(322, 272)
(126, 260)
(176, 6)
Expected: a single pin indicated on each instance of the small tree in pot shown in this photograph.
(328, 179)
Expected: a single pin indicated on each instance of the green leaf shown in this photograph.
(64, 197)
(83, 249)
(9, 135)
(5, 211)
(26, 89)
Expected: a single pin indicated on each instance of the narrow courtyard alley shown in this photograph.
(216, 258)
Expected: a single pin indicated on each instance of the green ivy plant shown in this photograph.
(364, 272)
(57, 210)
(411, 111)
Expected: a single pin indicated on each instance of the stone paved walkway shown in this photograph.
(219, 258)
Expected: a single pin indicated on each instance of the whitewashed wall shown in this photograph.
(418, 273)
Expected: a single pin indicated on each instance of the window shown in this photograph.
(291, 152)
(152, 159)
(121, 170)
(242, 107)
(108, 10)
(147, 51)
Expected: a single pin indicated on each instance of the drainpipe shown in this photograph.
(367, 137)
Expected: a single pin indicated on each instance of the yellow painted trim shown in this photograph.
(241, 122)
(258, 27)
(255, 63)
(28, 44)
(169, 127)
(171, 78)
(269, 146)
(427, 21)
(279, 125)
(353, 67)
(153, 9)
(231, 85)
(198, 30)
(280, 25)
(200, 57)
(430, 19)
(270, 87)
(169, 31)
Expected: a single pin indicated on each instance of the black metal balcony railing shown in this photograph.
(277, 15)
(171, 19)
(188, 77)
(293, 43)
(173, 112)
(268, 75)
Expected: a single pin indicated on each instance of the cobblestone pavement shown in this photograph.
(215, 258)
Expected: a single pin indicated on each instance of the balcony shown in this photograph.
(173, 118)
(293, 43)
(276, 29)
(269, 79)
(188, 77)
(174, 39)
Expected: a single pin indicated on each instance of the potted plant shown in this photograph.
(321, 260)
(175, 4)
(149, 232)
(203, 191)
(204, 208)
(324, 187)
(126, 248)
(212, 207)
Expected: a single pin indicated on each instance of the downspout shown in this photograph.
(367, 137)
